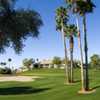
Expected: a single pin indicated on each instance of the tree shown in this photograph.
(28, 63)
(37, 63)
(5, 70)
(3, 63)
(71, 5)
(95, 61)
(56, 61)
(81, 53)
(77, 64)
(82, 7)
(61, 21)
(71, 32)
(16, 25)
(9, 60)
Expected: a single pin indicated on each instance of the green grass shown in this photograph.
(50, 87)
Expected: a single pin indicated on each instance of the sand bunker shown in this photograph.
(18, 78)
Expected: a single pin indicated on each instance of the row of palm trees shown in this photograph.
(78, 8)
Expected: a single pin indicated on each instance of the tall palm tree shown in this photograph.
(81, 54)
(61, 21)
(82, 7)
(71, 32)
(71, 5)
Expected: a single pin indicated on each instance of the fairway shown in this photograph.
(50, 87)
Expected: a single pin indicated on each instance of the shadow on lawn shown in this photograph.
(77, 81)
(98, 86)
(21, 90)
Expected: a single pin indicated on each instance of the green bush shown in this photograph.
(5, 70)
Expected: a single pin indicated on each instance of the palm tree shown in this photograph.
(71, 31)
(72, 7)
(81, 54)
(9, 60)
(61, 21)
(84, 7)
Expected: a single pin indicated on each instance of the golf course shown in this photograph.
(49, 50)
(50, 86)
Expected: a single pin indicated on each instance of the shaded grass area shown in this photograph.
(21, 90)
(50, 87)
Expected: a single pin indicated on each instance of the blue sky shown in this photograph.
(49, 42)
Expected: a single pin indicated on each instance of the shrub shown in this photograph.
(5, 70)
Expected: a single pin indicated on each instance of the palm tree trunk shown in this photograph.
(81, 54)
(65, 50)
(71, 58)
(86, 54)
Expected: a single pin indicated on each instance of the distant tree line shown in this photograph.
(94, 62)
(59, 62)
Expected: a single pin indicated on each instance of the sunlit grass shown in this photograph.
(50, 87)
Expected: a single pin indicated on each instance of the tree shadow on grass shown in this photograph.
(21, 90)
(96, 87)
(77, 81)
